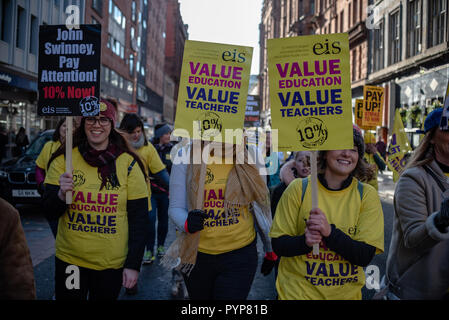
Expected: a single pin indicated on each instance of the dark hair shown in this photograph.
(56, 135)
(130, 122)
(114, 137)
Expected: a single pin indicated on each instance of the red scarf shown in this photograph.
(104, 160)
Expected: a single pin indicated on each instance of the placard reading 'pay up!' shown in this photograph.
(372, 106)
(310, 92)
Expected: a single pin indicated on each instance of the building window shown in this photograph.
(6, 21)
(354, 12)
(395, 38)
(34, 34)
(437, 22)
(97, 5)
(116, 46)
(354, 64)
(378, 62)
(342, 16)
(131, 64)
(414, 28)
(312, 7)
(21, 28)
(133, 11)
(130, 87)
(114, 78)
(349, 16)
(117, 14)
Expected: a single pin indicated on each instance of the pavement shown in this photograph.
(386, 186)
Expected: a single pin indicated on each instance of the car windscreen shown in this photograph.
(36, 146)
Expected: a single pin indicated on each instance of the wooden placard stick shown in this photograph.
(68, 152)
(314, 185)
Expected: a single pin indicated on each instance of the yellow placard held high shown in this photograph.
(359, 108)
(213, 89)
(310, 92)
(398, 147)
(373, 105)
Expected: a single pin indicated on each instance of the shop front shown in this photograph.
(18, 107)
(419, 94)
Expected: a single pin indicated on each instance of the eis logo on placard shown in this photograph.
(48, 110)
(233, 56)
(326, 48)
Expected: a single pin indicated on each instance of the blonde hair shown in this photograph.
(423, 154)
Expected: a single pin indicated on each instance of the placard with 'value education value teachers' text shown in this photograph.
(310, 92)
(213, 89)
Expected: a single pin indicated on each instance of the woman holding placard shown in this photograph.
(101, 235)
(348, 225)
(217, 204)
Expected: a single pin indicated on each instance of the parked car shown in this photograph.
(18, 177)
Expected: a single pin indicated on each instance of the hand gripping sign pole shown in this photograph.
(313, 184)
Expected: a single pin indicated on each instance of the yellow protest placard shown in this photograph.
(310, 92)
(359, 115)
(213, 89)
(444, 122)
(373, 105)
(398, 147)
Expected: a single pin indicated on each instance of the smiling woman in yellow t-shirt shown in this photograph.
(102, 233)
(348, 226)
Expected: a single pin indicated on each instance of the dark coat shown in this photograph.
(16, 268)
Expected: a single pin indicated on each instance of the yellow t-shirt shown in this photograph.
(49, 148)
(328, 275)
(151, 160)
(93, 232)
(221, 234)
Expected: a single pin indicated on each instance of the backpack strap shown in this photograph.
(305, 182)
(131, 166)
(360, 188)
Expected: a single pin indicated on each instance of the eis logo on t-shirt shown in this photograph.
(209, 176)
(78, 178)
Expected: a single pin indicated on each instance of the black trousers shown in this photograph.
(93, 284)
(226, 276)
